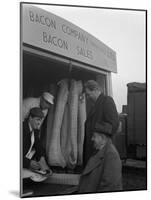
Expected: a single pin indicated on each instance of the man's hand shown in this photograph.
(34, 165)
(44, 166)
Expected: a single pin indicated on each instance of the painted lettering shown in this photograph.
(44, 37)
(74, 33)
(41, 19)
(31, 15)
(84, 52)
(55, 41)
(104, 50)
(37, 19)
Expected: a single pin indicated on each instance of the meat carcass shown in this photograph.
(72, 149)
(55, 157)
(81, 127)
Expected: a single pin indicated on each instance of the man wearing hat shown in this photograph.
(44, 102)
(33, 153)
(102, 118)
(103, 172)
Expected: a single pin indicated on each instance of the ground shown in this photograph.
(133, 179)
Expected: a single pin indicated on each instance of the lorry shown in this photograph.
(54, 49)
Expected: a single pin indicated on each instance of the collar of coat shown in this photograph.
(97, 159)
(99, 100)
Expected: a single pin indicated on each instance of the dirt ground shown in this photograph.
(134, 179)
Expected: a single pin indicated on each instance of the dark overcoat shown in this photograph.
(103, 172)
(103, 118)
(27, 143)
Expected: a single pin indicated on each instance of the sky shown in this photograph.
(121, 30)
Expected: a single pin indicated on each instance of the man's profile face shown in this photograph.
(35, 122)
(90, 94)
(44, 104)
(97, 140)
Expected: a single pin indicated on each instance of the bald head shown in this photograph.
(99, 140)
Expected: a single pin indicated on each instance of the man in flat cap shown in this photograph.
(33, 152)
(102, 118)
(44, 102)
(103, 171)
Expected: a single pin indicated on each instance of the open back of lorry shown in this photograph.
(52, 50)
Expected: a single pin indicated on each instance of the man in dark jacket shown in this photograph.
(33, 153)
(103, 171)
(103, 117)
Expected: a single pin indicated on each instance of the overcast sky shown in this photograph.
(123, 31)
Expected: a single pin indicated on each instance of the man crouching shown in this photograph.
(103, 171)
(33, 153)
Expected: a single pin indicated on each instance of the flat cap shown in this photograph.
(48, 97)
(36, 112)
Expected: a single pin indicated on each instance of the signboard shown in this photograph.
(50, 32)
